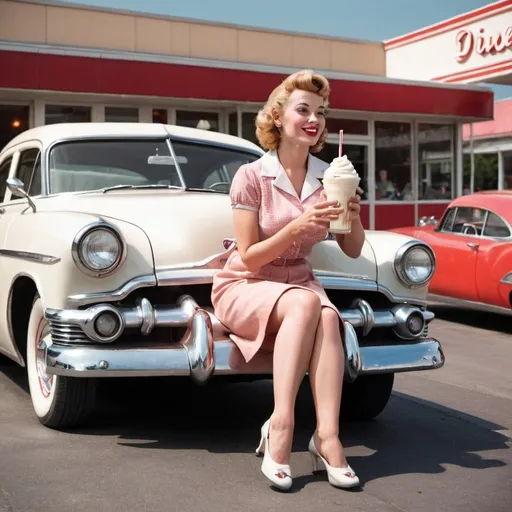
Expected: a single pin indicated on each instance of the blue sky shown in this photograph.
(375, 20)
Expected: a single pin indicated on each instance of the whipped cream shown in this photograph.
(340, 168)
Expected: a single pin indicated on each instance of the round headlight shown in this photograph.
(415, 264)
(98, 250)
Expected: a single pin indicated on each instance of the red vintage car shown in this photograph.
(473, 248)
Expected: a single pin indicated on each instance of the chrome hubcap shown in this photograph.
(45, 380)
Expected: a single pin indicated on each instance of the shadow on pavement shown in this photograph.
(411, 436)
(474, 316)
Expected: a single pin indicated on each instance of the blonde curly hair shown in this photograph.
(306, 80)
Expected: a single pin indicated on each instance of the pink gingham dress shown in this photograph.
(243, 301)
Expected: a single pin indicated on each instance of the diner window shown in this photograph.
(496, 227)
(202, 120)
(14, 119)
(435, 153)
(160, 115)
(356, 153)
(350, 126)
(486, 172)
(233, 124)
(121, 115)
(507, 168)
(66, 114)
(249, 127)
(393, 161)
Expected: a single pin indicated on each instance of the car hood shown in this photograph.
(182, 227)
(188, 227)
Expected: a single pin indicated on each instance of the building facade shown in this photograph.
(63, 63)
(475, 47)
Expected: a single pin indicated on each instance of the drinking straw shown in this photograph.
(341, 143)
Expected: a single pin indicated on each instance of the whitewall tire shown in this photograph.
(59, 402)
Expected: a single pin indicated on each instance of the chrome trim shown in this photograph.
(176, 163)
(402, 314)
(398, 262)
(353, 362)
(399, 298)
(93, 226)
(85, 320)
(367, 313)
(82, 299)
(146, 316)
(507, 279)
(155, 360)
(17, 188)
(30, 256)
(199, 272)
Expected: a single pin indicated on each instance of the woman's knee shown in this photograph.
(331, 322)
(304, 304)
(300, 304)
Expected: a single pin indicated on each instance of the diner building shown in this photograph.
(62, 62)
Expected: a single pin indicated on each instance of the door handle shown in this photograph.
(473, 245)
(2, 210)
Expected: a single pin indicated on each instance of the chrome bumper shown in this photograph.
(205, 349)
(200, 357)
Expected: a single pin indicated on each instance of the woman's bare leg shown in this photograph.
(295, 319)
(326, 377)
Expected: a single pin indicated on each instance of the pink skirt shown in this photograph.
(243, 301)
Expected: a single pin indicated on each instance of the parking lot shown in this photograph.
(442, 444)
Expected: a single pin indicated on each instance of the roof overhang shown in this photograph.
(83, 70)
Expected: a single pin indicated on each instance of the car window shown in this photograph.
(29, 166)
(4, 174)
(208, 167)
(496, 227)
(447, 222)
(469, 221)
(79, 166)
(34, 189)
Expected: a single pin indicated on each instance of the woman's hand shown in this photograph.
(318, 216)
(354, 208)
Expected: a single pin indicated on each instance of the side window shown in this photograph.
(496, 227)
(28, 167)
(469, 221)
(4, 174)
(447, 223)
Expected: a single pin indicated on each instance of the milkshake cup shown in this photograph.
(340, 183)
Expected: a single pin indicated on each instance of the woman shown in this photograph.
(268, 296)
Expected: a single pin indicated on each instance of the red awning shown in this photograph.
(65, 73)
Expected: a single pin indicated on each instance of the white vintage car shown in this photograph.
(109, 237)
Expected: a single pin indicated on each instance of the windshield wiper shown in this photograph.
(157, 185)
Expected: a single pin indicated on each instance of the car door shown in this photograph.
(24, 164)
(456, 247)
(492, 261)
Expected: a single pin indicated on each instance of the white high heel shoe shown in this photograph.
(338, 477)
(279, 474)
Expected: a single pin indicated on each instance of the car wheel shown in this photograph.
(366, 397)
(59, 402)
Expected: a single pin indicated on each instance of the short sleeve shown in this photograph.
(245, 190)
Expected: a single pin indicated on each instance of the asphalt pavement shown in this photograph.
(442, 444)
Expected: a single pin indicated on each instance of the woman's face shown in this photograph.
(303, 118)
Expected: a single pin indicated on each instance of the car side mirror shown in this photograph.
(17, 188)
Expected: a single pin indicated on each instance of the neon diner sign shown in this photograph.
(483, 44)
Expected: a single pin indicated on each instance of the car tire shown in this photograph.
(59, 402)
(366, 397)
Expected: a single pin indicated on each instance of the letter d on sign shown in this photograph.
(465, 42)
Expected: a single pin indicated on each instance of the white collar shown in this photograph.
(271, 167)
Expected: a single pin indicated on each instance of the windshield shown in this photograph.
(97, 164)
